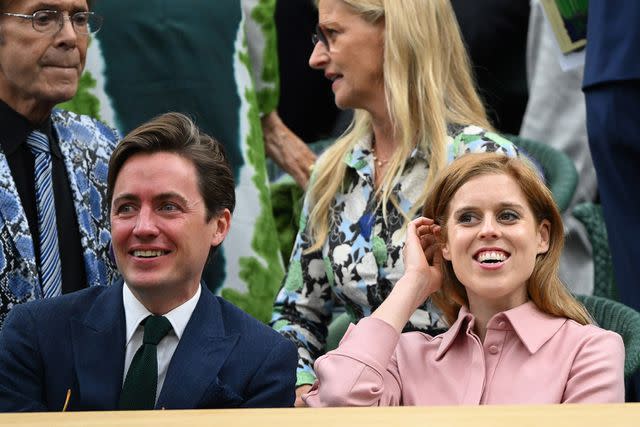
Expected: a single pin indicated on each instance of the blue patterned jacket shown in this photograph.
(86, 146)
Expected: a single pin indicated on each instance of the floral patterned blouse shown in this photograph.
(361, 259)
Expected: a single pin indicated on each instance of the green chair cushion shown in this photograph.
(590, 215)
(559, 170)
(617, 317)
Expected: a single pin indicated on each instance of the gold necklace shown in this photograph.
(379, 162)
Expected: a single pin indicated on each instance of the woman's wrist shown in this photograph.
(395, 315)
(402, 302)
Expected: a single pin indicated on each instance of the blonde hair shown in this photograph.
(544, 287)
(428, 85)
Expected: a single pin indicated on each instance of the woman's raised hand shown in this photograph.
(422, 255)
(422, 274)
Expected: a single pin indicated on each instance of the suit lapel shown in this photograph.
(99, 349)
(15, 223)
(77, 169)
(201, 352)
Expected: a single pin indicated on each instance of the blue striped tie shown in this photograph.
(50, 271)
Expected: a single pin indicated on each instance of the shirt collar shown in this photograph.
(48, 129)
(463, 323)
(135, 312)
(360, 157)
(532, 326)
(16, 128)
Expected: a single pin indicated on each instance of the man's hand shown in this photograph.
(299, 392)
(286, 149)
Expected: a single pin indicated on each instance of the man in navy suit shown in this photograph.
(171, 194)
(612, 93)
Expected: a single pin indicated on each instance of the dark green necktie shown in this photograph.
(139, 389)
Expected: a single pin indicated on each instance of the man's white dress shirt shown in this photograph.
(135, 312)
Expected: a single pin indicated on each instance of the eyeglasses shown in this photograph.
(52, 21)
(319, 36)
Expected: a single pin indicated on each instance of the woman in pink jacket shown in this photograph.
(489, 260)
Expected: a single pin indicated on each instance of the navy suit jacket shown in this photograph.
(225, 358)
(613, 42)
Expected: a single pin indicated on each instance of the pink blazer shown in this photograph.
(527, 357)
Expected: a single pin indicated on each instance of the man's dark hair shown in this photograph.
(177, 133)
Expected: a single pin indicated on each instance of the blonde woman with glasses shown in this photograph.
(402, 67)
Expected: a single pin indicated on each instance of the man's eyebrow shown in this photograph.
(50, 6)
(171, 195)
(125, 197)
(158, 197)
(45, 6)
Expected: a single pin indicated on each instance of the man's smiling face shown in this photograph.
(160, 233)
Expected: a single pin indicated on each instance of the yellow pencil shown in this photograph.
(66, 400)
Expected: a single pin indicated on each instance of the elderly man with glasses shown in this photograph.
(53, 164)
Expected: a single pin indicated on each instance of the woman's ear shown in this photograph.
(544, 231)
(444, 244)
(445, 252)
